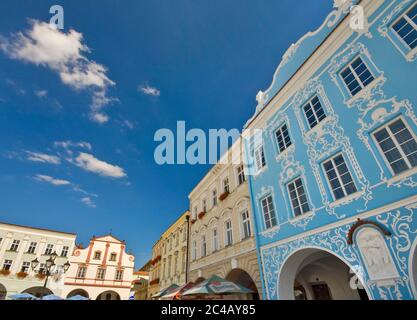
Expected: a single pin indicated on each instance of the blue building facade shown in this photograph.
(334, 184)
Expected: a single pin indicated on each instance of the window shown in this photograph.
(314, 112)
(229, 233)
(97, 255)
(119, 275)
(215, 240)
(169, 266)
(113, 256)
(203, 246)
(204, 205)
(398, 146)
(226, 187)
(81, 272)
(25, 267)
(32, 247)
(176, 263)
(7, 265)
(260, 161)
(184, 234)
(339, 177)
(406, 27)
(184, 261)
(101, 273)
(241, 174)
(357, 76)
(214, 197)
(194, 251)
(64, 252)
(42, 267)
(49, 248)
(298, 197)
(195, 212)
(15, 245)
(268, 212)
(246, 231)
(283, 138)
(177, 239)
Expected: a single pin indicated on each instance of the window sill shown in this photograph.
(282, 155)
(318, 128)
(402, 176)
(412, 54)
(365, 91)
(346, 200)
(301, 217)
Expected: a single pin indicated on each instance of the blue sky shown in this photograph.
(165, 61)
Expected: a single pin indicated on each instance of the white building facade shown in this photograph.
(102, 271)
(19, 246)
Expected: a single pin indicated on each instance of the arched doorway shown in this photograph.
(108, 295)
(78, 292)
(3, 292)
(242, 278)
(37, 291)
(199, 280)
(315, 274)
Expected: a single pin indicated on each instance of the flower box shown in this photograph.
(4, 272)
(21, 275)
(201, 215)
(193, 221)
(40, 276)
(153, 282)
(224, 195)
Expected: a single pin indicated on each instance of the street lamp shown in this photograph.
(49, 264)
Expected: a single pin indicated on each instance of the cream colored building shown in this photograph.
(102, 271)
(221, 233)
(155, 271)
(19, 245)
(174, 253)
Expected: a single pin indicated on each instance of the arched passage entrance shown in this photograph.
(3, 292)
(315, 274)
(37, 291)
(108, 295)
(78, 292)
(241, 277)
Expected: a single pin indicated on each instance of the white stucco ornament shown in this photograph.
(260, 98)
(376, 256)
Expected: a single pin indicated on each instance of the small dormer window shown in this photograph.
(113, 256)
(97, 255)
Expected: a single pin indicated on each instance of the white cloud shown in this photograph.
(68, 144)
(129, 124)
(41, 93)
(51, 180)
(99, 117)
(45, 45)
(41, 157)
(88, 202)
(149, 91)
(89, 163)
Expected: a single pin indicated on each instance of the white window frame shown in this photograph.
(227, 230)
(25, 267)
(65, 251)
(101, 274)
(259, 164)
(411, 22)
(310, 103)
(349, 66)
(214, 197)
(9, 264)
(15, 245)
(216, 241)
(194, 250)
(32, 247)
(269, 213)
(298, 197)
(280, 130)
(49, 249)
(203, 246)
(404, 157)
(338, 176)
(240, 172)
(246, 225)
(81, 272)
(119, 275)
(226, 185)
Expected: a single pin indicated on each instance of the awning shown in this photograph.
(217, 286)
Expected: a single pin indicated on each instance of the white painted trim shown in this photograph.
(413, 277)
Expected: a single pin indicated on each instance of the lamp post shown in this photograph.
(49, 264)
